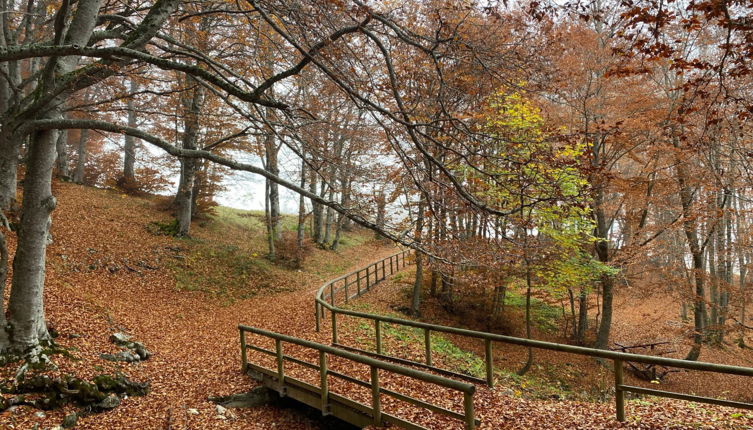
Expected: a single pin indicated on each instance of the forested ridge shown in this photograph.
(575, 172)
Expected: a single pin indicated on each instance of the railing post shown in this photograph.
(318, 312)
(619, 395)
(489, 363)
(368, 284)
(323, 382)
(470, 416)
(376, 404)
(384, 270)
(346, 290)
(358, 282)
(280, 367)
(391, 269)
(427, 345)
(378, 329)
(332, 294)
(244, 358)
(334, 325)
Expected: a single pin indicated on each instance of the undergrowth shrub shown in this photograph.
(289, 253)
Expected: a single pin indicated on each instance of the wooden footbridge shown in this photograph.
(315, 379)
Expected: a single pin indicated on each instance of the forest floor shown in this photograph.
(108, 272)
(640, 317)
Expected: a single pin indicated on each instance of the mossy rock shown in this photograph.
(87, 392)
(121, 384)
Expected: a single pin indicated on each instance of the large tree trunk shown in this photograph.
(26, 304)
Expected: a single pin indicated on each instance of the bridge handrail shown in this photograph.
(321, 304)
(466, 389)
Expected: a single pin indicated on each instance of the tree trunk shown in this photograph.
(129, 149)
(381, 203)
(78, 175)
(419, 282)
(61, 148)
(301, 217)
(529, 362)
(26, 304)
(582, 316)
(184, 197)
(273, 191)
(9, 153)
(316, 211)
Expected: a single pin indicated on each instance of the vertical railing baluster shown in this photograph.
(280, 366)
(244, 358)
(376, 403)
(619, 394)
(346, 290)
(391, 269)
(332, 294)
(334, 325)
(470, 416)
(378, 329)
(489, 362)
(318, 312)
(358, 282)
(384, 270)
(427, 345)
(323, 382)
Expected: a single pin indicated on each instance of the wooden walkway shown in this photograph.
(351, 285)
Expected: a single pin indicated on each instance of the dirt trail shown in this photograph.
(107, 273)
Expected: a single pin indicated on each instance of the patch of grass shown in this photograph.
(543, 315)
(541, 384)
(158, 228)
(219, 269)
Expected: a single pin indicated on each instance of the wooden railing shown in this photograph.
(618, 358)
(353, 284)
(339, 405)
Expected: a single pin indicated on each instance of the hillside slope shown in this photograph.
(108, 273)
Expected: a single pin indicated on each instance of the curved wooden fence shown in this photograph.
(341, 290)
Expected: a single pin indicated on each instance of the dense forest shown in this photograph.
(560, 154)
